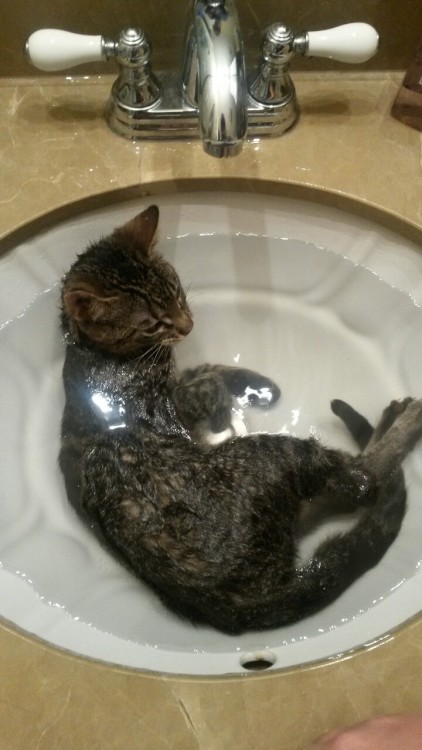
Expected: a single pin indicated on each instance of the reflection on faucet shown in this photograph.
(214, 77)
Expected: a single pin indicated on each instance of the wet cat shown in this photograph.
(213, 529)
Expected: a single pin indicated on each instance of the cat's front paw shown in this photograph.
(250, 388)
(237, 428)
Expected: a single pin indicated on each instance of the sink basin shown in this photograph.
(326, 303)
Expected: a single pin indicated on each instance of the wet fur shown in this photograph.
(213, 530)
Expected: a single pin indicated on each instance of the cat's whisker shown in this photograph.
(195, 294)
(186, 287)
(142, 356)
(147, 355)
(157, 355)
(160, 353)
(152, 356)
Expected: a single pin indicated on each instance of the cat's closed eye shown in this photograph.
(142, 319)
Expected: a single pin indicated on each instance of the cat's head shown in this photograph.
(121, 296)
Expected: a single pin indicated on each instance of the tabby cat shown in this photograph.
(213, 529)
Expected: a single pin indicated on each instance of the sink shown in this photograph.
(325, 302)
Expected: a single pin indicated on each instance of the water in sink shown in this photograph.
(320, 324)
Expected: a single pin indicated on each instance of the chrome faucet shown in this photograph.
(214, 98)
(214, 78)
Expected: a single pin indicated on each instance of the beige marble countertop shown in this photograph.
(56, 149)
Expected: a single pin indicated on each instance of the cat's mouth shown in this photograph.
(174, 339)
(181, 328)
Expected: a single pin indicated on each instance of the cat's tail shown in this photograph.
(340, 560)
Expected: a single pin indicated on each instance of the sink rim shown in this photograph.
(349, 204)
(101, 201)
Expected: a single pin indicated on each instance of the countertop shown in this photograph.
(56, 149)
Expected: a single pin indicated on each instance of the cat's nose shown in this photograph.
(183, 324)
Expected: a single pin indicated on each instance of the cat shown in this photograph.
(213, 529)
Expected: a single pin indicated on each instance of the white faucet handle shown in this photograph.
(350, 43)
(54, 49)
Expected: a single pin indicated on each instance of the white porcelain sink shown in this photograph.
(327, 304)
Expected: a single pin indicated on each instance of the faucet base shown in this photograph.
(167, 119)
(172, 118)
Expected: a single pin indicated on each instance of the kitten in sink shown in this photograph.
(213, 529)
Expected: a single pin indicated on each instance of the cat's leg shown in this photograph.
(204, 405)
(359, 427)
(397, 433)
(328, 504)
(204, 398)
(388, 417)
(397, 445)
(248, 386)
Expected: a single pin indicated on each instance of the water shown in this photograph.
(311, 320)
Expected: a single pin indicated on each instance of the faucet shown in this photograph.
(214, 78)
(213, 98)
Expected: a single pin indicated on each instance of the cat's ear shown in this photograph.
(84, 303)
(140, 231)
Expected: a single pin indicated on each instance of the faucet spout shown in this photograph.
(221, 80)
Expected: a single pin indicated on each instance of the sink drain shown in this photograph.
(257, 661)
